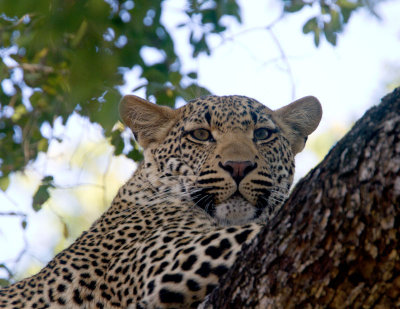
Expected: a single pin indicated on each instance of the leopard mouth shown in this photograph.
(234, 210)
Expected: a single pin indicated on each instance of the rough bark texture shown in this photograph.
(335, 244)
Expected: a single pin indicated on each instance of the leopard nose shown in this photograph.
(238, 169)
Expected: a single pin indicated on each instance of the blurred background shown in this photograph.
(65, 65)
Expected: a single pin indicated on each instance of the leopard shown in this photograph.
(215, 172)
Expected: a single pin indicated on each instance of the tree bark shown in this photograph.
(335, 242)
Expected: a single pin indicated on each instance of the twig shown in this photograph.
(282, 53)
(18, 22)
(33, 67)
(13, 213)
(10, 199)
(24, 249)
(269, 26)
(285, 60)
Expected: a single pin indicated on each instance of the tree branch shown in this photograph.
(34, 67)
(12, 213)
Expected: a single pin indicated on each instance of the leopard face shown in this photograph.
(232, 155)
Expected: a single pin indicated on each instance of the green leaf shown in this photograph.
(348, 4)
(231, 7)
(48, 180)
(310, 25)
(24, 224)
(181, 25)
(4, 282)
(317, 37)
(135, 154)
(346, 13)
(335, 22)
(193, 75)
(293, 6)
(209, 16)
(80, 33)
(43, 144)
(40, 197)
(201, 46)
(42, 194)
(19, 111)
(117, 142)
(107, 111)
(330, 34)
(4, 183)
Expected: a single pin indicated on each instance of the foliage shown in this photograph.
(64, 57)
(69, 54)
(331, 18)
(42, 194)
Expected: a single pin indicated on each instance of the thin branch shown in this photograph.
(16, 260)
(235, 35)
(26, 136)
(282, 53)
(258, 28)
(34, 67)
(10, 199)
(9, 272)
(24, 250)
(13, 100)
(285, 60)
(13, 213)
(18, 22)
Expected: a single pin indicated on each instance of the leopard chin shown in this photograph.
(236, 210)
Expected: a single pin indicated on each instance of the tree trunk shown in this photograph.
(335, 243)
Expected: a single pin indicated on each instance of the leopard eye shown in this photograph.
(201, 135)
(261, 134)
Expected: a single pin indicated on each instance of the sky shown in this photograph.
(347, 79)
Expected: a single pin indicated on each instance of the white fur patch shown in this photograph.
(234, 211)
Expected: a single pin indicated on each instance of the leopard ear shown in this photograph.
(299, 119)
(149, 122)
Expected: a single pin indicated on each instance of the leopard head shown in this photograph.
(232, 155)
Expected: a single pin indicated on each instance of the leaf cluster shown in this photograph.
(61, 57)
(331, 18)
(66, 56)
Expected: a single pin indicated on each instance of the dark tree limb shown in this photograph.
(335, 243)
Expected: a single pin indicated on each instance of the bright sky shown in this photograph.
(347, 78)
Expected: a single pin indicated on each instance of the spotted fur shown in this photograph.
(214, 172)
